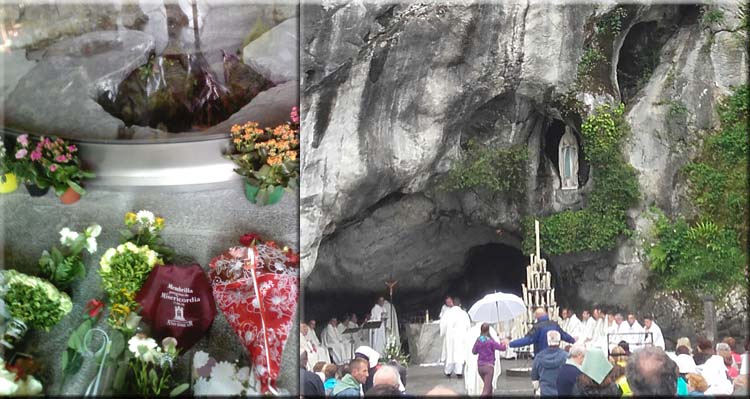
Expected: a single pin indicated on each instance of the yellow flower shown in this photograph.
(292, 155)
(120, 309)
(130, 219)
(159, 223)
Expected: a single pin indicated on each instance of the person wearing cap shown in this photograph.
(351, 384)
(547, 364)
(596, 377)
(537, 336)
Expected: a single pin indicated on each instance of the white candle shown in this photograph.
(536, 231)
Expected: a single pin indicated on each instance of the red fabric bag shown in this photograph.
(257, 289)
(177, 302)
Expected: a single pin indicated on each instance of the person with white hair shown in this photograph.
(547, 365)
(715, 373)
(570, 371)
(387, 375)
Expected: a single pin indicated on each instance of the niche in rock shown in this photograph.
(180, 92)
(551, 142)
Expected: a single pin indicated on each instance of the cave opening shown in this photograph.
(486, 268)
(490, 268)
(640, 51)
(551, 140)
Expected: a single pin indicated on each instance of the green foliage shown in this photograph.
(499, 170)
(59, 269)
(712, 17)
(701, 258)
(589, 61)
(34, 301)
(598, 226)
(718, 178)
(612, 22)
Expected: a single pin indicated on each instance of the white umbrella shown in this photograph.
(497, 307)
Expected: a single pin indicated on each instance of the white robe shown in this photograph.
(599, 339)
(322, 352)
(715, 373)
(391, 324)
(634, 341)
(454, 327)
(333, 341)
(589, 331)
(347, 338)
(377, 335)
(472, 380)
(657, 335)
(443, 310)
(312, 353)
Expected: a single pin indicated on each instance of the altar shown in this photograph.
(425, 342)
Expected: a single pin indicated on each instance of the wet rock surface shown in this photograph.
(276, 54)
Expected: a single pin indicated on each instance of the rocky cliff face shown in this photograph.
(391, 92)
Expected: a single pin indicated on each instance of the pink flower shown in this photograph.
(295, 115)
(53, 167)
(72, 148)
(23, 139)
(61, 158)
(36, 155)
(21, 153)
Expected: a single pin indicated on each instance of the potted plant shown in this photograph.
(8, 182)
(53, 162)
(267, 158)
(27, 167)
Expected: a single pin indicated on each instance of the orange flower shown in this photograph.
(292, 155)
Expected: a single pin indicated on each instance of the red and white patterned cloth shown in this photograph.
(256, 287)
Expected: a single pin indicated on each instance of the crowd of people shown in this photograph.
(599, 354)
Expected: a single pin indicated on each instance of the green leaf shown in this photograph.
(118, 344)
(76, 338)
(64, 361)
(179, 389)
(153, 376)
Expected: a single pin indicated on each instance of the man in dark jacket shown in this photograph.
(547, 365)
(309, 382)
(570, 371)
(538, 334)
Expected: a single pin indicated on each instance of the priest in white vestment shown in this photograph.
(472, 380)
(631, 332)
(332, 340)
(589, 328)
(454, 328)
(571, 325)
(391, 324)
(307, 346)
(613, 327)
(377, 335)
(447, 305)
(651, 327)
(352, 340)
(312, 337)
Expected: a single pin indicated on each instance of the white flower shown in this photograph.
(145, 217)
(200, 359)
(222, 386)
(137, 344)
(67, 236)
(243, 374)
(223, 369)
(202, 387)
(29, 386)
(107, 259)
(91, 245)
(94, 230)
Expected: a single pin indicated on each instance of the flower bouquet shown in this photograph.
(15, 381)
(8, 181)
(152, 365)
(267, 158)
(32, 303)
(123, 271)
(52, 162)
(61, 267)
(256, 286)
(221, 378)
(144, 229)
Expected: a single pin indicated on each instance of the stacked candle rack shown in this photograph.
(537, 292)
